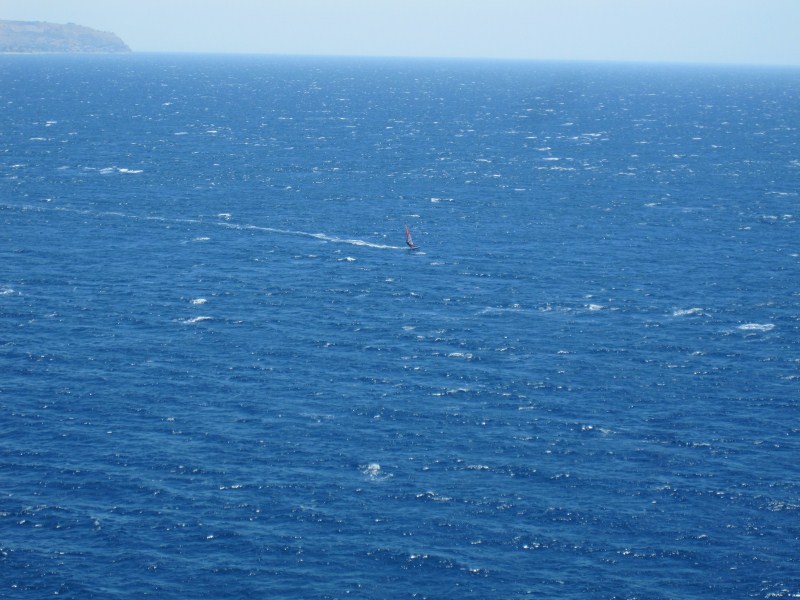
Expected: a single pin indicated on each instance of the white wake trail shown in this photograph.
(318, 236)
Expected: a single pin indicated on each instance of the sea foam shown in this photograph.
(757, 327)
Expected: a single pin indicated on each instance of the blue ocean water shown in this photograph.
(223, 375)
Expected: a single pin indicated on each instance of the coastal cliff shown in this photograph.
(41, 37)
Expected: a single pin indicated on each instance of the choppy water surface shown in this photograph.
(223, 374)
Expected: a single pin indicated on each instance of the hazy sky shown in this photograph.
(723, 31)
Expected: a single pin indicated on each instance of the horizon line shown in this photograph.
(627, 61)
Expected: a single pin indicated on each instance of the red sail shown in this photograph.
(409, 241)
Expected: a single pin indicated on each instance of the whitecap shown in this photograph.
(499, 310)
(374, 472)
(595, 307)
(6, 291)
(683, 312)
(199, 301)
(757, 327)
(432, 495)
(194, 320)
(461, 390)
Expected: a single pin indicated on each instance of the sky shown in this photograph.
(694, 31)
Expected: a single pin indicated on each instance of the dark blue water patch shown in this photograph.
(224, 374)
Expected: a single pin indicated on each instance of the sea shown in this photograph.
(223, 374)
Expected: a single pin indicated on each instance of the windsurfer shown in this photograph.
(409, 241)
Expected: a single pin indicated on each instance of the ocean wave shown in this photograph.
(374, 472)
(428, 560)
(684, 312)
(107, 170)
(499, 310)
(757, 327)
(194, 320)
(433, 496)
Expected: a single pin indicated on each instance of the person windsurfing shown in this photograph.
(409, 241)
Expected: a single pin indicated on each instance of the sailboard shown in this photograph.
(409, 242)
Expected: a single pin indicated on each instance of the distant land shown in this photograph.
(40, 37)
